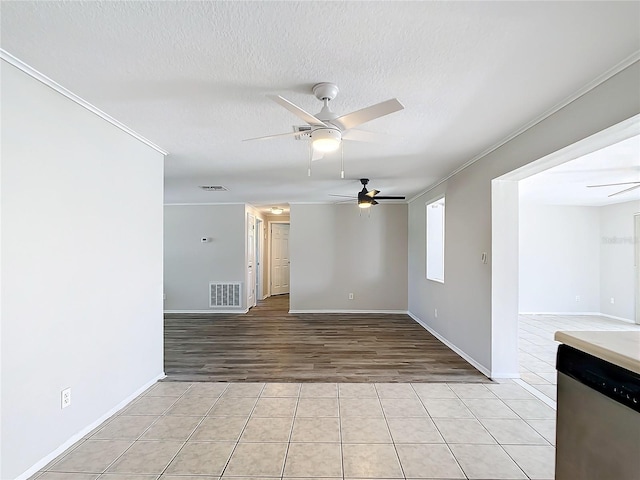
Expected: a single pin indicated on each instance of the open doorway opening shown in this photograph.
(564, 250)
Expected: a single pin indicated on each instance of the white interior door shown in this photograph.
(251, 257)
(258, 259)
(279, 258)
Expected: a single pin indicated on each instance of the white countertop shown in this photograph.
(619, 348)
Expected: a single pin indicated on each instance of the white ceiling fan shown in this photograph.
(635, 185)
(328, 129)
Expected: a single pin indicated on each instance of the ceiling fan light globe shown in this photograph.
(326, 139)
(364, 204)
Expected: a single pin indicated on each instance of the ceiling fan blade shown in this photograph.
(372, 193)
(356, 135)
(345, 196)
(373, 202)
(390, 198)
(296, 110)
(278, 135)
(353, 119)
(612, 184)
(316, 155)
(623, 191)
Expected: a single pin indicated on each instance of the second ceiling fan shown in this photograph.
(328, 129)
(368, 198)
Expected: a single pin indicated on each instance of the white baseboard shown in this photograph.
(590, 314)
(402, 312)
(537, 393)
(505, 375)
(560, 313)
(78, 436)
(208, 311)
(627, 320)
(482, 369)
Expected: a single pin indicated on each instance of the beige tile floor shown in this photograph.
(206, 431)
(537, 348)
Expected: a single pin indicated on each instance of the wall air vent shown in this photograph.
(304, 131)
(213, 188)
(224, 294)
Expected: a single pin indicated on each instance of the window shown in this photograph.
(435, 240)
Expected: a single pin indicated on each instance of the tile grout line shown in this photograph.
(147, 429)
(440, 432)
(293, 422)
(340, 429)
(386, 422)
(112, 439)
(194, 430)
(536, 393)
(237, 442)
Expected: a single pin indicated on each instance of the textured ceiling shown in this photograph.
(193, 77)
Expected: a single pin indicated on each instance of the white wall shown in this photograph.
(189, 265)
(617, 259)
(81, 269)
(559, 258)
(464, 300)
(338, 249)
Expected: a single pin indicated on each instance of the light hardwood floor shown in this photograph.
(270, 345)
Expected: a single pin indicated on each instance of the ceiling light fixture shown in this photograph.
(363, 203)
(276, 210)
(326, 139)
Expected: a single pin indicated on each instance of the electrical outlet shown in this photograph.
(612, 301)
(577, 298)
(435, 312)
(351, 296)
(65, 397)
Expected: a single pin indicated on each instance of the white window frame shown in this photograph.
(434, 259)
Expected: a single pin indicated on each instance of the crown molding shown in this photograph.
(32, 72)
(627, 62)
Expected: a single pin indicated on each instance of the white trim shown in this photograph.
(32, 72)
(511, 375)
(241, 311)
(537, 393)
(201, 204)
(627, 62)
(89, 428)
(402, 312)
(482, 369)
(559, 313)
(590, 314)
(626, 320)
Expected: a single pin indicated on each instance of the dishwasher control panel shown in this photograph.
(615, 382)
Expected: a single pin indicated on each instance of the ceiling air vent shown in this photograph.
(213, 188)
(304, 131)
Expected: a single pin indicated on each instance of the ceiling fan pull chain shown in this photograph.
(310, 155)
(341, 159)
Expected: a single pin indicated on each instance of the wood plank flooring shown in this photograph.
(270, 345)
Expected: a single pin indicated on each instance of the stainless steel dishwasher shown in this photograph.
(598, 419)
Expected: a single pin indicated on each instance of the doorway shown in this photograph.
(636, 246)
(279, 259)
(505, 243)
(258, 260)
(251, 259)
